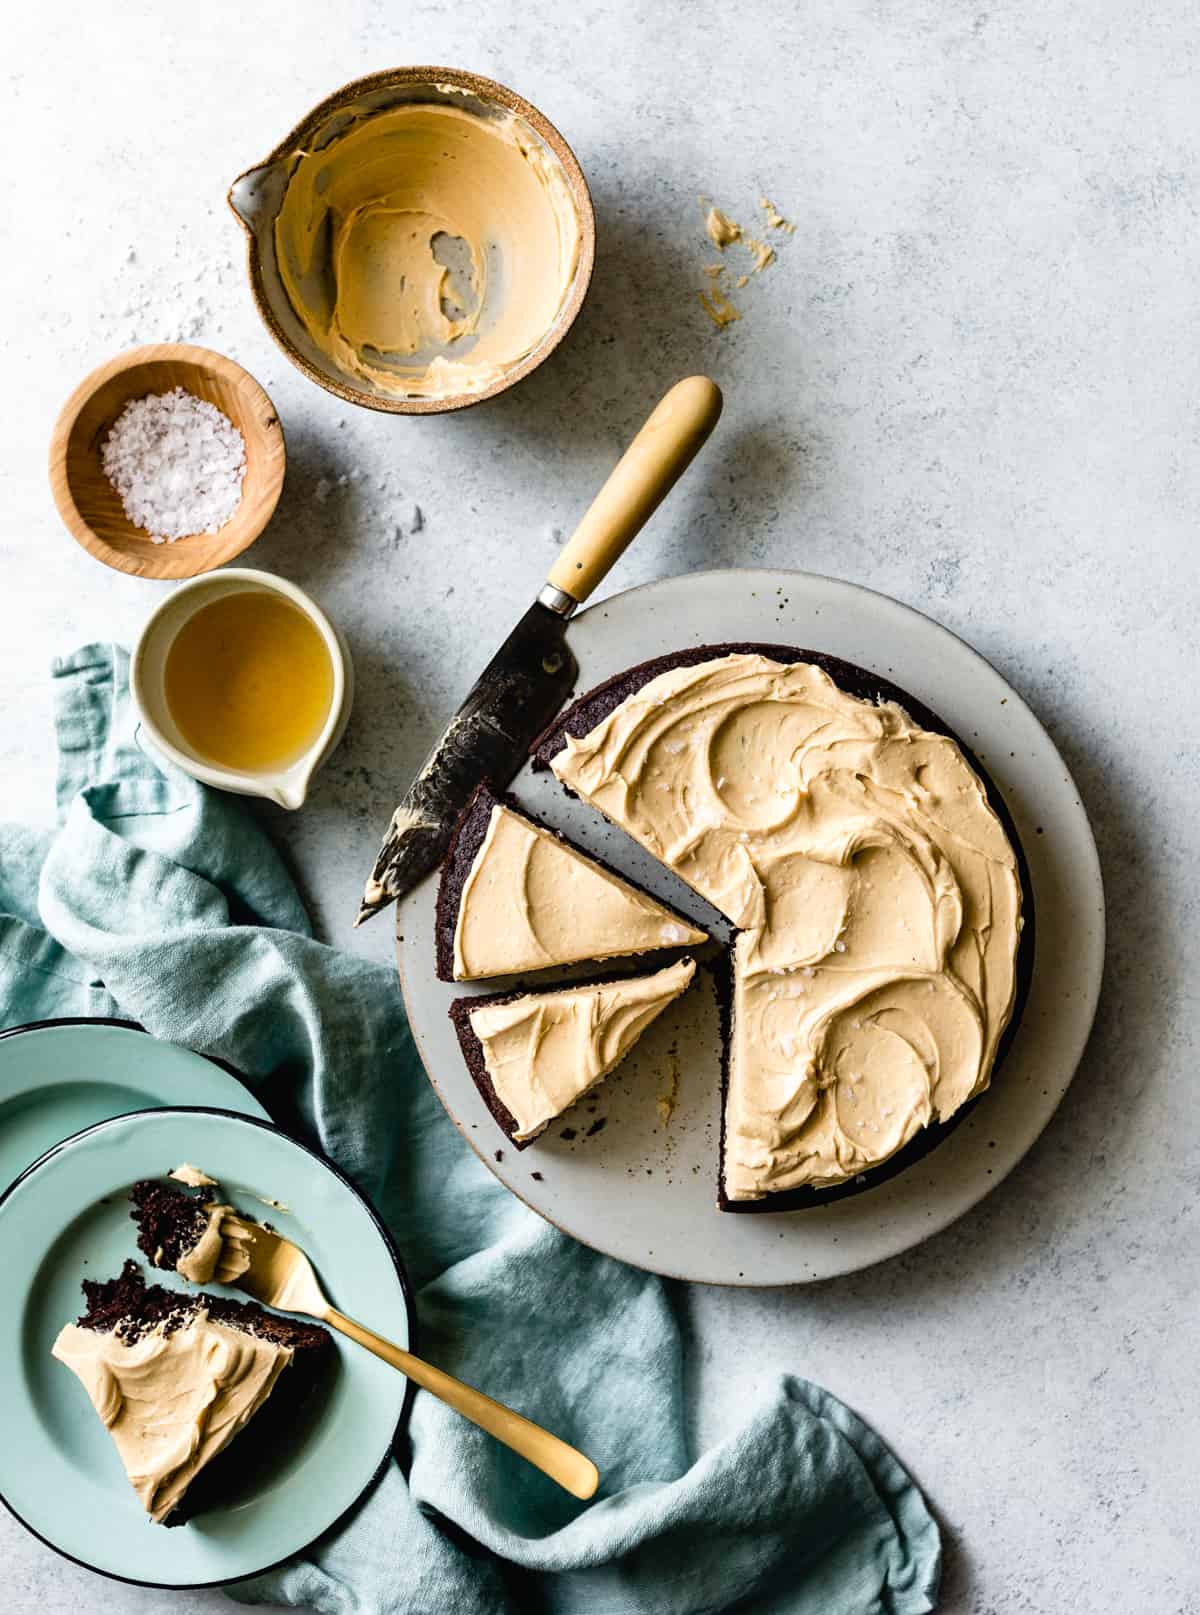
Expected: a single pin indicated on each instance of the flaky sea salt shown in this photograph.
(177, 463)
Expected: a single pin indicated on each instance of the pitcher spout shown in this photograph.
(252, 196)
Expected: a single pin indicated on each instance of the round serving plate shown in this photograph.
(66, 1219)
(58, 1077)
(644, 1189)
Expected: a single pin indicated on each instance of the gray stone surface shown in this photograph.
(970, 380)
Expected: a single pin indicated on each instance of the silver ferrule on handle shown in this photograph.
(557, 601)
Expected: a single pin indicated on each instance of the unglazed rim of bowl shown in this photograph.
(484, 89)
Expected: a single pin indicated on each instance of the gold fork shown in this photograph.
(280, 1275)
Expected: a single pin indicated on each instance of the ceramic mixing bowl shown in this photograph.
(311, 234)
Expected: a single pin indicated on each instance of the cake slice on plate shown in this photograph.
(176, 1377)
(533, 1055)
(516, 896)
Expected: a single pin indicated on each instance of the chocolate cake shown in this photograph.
(651, 923)
(595, 707)
(616, 1010)
(129, 1307)
(170, 1221)
(151, 1358)
(190, 1231)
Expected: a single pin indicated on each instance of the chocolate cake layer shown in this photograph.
(472, 1050)
(169, 1220)
(130, 1307)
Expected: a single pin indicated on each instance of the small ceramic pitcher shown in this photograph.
(287, 786)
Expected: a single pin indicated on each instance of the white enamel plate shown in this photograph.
(617, 1176)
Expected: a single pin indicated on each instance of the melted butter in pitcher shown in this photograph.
(249, 682)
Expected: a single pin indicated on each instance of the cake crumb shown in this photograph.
(764, 254)
(536, 1176)
(597, 1126)
(722, 230)
(499, 1155)
(775, 219)
(718, 307)
(725, 232)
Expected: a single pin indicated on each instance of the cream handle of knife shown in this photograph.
(642, 478)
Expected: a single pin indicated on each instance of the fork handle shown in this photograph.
(575, 1473)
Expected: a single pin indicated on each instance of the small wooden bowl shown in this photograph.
(90, 505)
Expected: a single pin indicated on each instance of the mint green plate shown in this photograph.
(59, 1077)
(66, 1219)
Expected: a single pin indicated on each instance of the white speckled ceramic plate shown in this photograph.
(646, 1192)
(67, 1219)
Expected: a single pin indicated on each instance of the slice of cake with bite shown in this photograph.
(534, 1055)
(516, 896)
(176, 1377)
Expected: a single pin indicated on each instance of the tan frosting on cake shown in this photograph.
(222, 1252)
(360, 242)
(530, 901)
(875, 891)
(543, 1051)
(172, 1402)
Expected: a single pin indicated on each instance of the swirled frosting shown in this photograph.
(543, 1051)
(874, 890)
(172, 1400)
(530, 901)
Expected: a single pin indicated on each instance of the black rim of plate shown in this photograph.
(389, 1245)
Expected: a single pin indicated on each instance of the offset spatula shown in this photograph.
(533, 672)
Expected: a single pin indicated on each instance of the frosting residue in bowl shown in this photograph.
(428, 249)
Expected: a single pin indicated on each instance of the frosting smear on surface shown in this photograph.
(543, 1051)
(875, 892)
(428, 249)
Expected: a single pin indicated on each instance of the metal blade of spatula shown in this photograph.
(532, 673)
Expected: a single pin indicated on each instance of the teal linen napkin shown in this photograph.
(164, 902)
